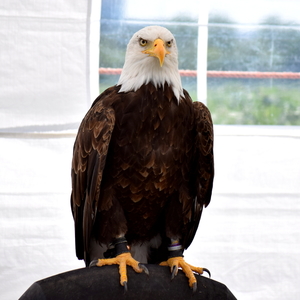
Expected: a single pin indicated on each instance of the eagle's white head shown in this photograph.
(151, 56)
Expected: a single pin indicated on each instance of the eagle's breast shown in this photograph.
(151, 146)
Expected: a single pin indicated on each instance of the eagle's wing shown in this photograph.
(204, 164)
(89, 156)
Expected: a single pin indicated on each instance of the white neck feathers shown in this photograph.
(140, 68)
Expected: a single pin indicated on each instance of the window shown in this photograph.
(263, 37)
(253, 59)
(120, 21)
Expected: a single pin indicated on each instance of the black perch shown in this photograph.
(102, 283)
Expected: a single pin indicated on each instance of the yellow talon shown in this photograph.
(178, 262)
(122, 260)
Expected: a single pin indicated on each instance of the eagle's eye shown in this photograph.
(143, 42)
(169, 43)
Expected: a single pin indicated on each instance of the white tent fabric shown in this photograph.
(45, 61)
(249, 236)
(49, 52)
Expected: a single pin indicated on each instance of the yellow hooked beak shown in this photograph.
(157, 50)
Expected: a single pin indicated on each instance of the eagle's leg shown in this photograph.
(119, 254)
(176, 261)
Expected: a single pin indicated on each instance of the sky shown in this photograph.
(254, 11)
(244, 12)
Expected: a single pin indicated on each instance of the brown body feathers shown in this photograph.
(142, 165)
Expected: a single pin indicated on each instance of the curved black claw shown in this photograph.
(93, 263)
(194, 287)
(174, 272)
(141, 266)
(125, 286)
(207, 271)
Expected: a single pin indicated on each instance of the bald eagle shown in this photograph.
(142, 167)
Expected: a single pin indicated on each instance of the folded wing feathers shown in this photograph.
(204, 148)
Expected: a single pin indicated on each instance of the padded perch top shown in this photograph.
(103, 283)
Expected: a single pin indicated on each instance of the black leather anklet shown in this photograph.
(117, 247)
(175, 249)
